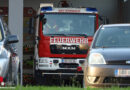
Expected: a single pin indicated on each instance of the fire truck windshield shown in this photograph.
(69, 24)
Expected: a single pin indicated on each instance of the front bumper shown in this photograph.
(59, 63)
(4, 64)
(106, 75)
(65, 72)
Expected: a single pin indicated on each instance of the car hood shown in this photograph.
(113, 53)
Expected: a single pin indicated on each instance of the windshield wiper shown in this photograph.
(101, 47)
(56, 34)
(84, 35)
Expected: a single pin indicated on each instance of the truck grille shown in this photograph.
(64, 49)
(68, 65)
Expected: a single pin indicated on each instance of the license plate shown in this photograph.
(68, 61)
(122, 72)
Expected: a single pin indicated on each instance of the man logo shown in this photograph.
(68, 48)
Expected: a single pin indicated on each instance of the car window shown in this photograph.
(113, 37)
(0, 32)
(6, 30)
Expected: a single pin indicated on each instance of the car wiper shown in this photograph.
(56, 34)
(101, 47)
(84, 35)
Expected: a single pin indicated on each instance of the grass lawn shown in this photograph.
(61, 88)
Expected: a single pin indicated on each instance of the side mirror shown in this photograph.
(44, 21)
(12, 39)
(104, 19)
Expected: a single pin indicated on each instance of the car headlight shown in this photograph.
(43, 60)
(96, 58)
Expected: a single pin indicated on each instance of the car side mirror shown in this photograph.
(12, 39)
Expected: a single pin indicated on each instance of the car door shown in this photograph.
(4, 51)
(14, 59)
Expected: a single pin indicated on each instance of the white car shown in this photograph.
(9, 60)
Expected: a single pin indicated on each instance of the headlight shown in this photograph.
(96, 58)
(43, 60)
(83, 46)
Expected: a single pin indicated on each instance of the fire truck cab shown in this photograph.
(63, 36)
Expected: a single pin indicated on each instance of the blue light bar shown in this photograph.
(91, 9)
(46, 9)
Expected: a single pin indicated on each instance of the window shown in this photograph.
(69, 24)
(0, 31)
(114, 37)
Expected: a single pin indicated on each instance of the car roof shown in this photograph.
(116, 25)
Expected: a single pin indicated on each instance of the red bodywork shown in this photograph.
(44, 45)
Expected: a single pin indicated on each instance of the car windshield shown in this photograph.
(0, 32)
(113, 37)
(69, 24)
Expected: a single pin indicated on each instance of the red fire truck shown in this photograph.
(62, 39)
